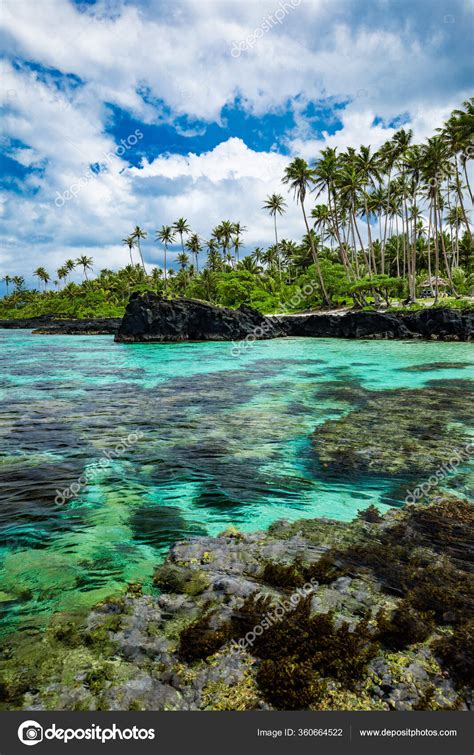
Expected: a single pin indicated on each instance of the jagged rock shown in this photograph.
(151, 318)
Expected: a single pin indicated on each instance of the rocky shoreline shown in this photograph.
(52, 325)
(383, 621)
(151, 319)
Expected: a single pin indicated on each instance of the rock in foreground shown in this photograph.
(375, 614)
(152, 319)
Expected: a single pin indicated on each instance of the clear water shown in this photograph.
(225, 441)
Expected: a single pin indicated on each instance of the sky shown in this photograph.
(123, 113)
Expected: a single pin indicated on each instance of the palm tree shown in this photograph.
(130, 242)
(86, 264)
(61, 273)
(18, 281)
(69, 265)
(193, 245)
(223, 234)
(257, 255)
(7, 280)
(181, 226)
(275, 205)
(183, 260)
(166, 236)
(42, 275)
(326, 172)
(138, 234)
(300, 176)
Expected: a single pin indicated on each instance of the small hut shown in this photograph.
(428, 287)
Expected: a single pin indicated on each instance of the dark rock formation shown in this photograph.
(445, 324)
(49, 325)
(350, 325)
(151, 318)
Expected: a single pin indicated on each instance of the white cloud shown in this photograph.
(159, 61)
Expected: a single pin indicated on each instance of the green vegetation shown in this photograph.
(407, 200)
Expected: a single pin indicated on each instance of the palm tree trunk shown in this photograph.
(467, 180)
(445, 256)
(342, 252)
(140, 253)
(369, 235)
(429, 245)
(459, 191)
(436, 253)
(315, 258)
(166, 277)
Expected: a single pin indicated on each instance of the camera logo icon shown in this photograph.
(30, 733)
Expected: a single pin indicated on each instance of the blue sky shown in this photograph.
(222, 95)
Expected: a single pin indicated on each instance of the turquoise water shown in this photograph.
(224, 440)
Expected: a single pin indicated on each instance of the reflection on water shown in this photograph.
(224, 441)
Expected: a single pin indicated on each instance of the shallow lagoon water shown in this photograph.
(225, 440)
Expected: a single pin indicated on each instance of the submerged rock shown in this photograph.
(151, 318)
(404, 432)
(230, 634)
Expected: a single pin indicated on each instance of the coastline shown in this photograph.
(151, 319)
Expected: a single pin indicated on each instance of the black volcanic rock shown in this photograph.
(443, 323)
(150, 318)
(50, 325)
(439, 323)
(349, 325)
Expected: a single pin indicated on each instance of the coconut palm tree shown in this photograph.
(183, 260)
(275, 205)
(18, 281)
(223, 234)
(86, 264)
(138, 234)
(300, 176)
(7, 280)
(326, 172)
(367, 165)
(166, 236)
(69, 265)
(130, 242)
(193, 245)
(181, 226)
(237, 243)
(61, 272)
(42, 275)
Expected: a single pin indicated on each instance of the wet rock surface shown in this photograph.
(367, 632)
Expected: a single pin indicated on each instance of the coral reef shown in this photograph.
(375, 614)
